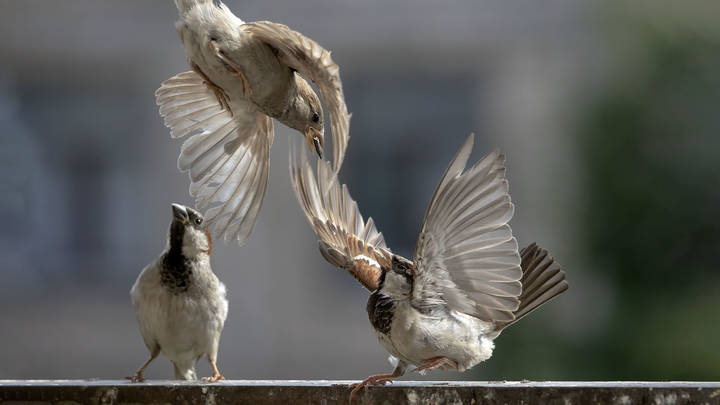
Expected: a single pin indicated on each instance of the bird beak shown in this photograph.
(314, 140)
(180, 213)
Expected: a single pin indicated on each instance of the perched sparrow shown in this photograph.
(179, 302)
(244, 74)
(467, 282)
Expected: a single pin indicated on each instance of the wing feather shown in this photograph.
(226, 156)
(346, 240)
(466, 256)
(313, 62)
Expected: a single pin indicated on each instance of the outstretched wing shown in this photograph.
(313, 62)
(226, 156)
(466, 255)
(346, 240)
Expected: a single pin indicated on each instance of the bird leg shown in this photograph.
(219, 93)
(216, 376)
(379, 379)
(138, 377)
(443, 363)
(238, 71)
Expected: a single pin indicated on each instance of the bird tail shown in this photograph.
(184, 373)
(542, 280)
(184, 6)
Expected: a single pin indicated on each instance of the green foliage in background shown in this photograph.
(650, 151)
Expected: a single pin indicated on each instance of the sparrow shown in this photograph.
(179, 302)
(243, 75)
(467, 281)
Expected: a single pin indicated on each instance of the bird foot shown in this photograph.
(213, 378)
(220, 94)
(137, 378)
(373, 380)
(216, 376)
(234, 69)
(221, 97)
(443, 363)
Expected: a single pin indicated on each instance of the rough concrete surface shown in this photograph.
(67, 392)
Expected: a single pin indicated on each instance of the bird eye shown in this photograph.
(198, 221)
(315, 117)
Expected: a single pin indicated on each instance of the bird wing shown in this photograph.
(314, 62)
(226, 156)
(466, 256)
(346, 240)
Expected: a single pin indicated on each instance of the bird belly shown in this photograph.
(183, 325)
(417, 337)
(271, 83)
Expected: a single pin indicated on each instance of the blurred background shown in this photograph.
(607, 111)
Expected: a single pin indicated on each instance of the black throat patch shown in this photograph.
(380, 309)
(176, 269)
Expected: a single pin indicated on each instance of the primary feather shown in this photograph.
(227, 156)
(346, 240)
(466, 255)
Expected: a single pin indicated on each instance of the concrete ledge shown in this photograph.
(67, 392)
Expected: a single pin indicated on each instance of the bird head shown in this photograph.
(396, 281)
(306, 115)
(189, 232)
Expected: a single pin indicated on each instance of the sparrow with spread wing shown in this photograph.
(243, 75)
(467, 281)
(179, 302)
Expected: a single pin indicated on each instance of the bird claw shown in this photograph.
(234, 69)
(213, 378)
(220, 94)
(373, 380)
(221, 97)
(137, 378)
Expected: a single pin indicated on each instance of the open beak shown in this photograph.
(180, 213)
(314, 140)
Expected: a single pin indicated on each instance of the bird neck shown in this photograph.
(287, 102)
(381, 309)
(175, 238)
(176, 269)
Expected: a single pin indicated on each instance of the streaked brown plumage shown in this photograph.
(243, 75)
(467, 281)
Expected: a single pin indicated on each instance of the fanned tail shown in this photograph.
(542, 280)
(184, 373)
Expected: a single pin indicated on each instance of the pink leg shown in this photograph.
(443, 363)
(238, 70)
(219, 93)
(379, 379)
(216, 374)
(138, 377)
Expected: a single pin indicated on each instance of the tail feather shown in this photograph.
(184, 373)
(542, 280)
